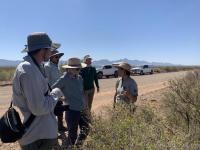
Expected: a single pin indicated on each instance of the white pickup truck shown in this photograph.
(107, 71)
(145, 69)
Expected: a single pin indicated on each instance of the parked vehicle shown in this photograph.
(145, 69)
(107, 71)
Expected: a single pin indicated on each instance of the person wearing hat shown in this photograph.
(89, 76)
(32, 96)
(52, 70)
(53, 73)
(126, 87)
(71, 85)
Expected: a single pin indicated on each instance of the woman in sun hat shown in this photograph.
(71, 84)
(126, 87)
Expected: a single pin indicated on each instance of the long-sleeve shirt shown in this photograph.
(29, 88)
(89, 76)
(128, 85)
(52, 72)
(72, 88)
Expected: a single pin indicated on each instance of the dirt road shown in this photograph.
(146, 84)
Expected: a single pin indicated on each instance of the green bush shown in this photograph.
(183, 101)
(6, 74)
(123, 130)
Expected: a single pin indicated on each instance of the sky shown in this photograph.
(150, 30)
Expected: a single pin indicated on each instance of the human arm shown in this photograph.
(38, 102)
(96, 80)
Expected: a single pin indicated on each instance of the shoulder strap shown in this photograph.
(30, 119)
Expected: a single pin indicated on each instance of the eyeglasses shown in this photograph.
(78, 69)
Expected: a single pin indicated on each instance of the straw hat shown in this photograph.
(124, 66)
(73, 63)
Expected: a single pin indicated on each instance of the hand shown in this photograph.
(62, 98)
(98, 90)
(56, 93)
(127, 94)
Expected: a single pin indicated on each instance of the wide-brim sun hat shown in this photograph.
(73, 63)
(38, 40)
(124, 65)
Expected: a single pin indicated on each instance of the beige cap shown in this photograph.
(87, 57)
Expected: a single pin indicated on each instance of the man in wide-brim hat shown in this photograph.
(31, 95)
(53, 73)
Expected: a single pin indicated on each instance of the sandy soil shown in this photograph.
(150, 92)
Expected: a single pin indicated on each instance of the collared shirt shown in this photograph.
(52, 72)
(128, 85)
(29, 88)
(72, 88)
(89, 76)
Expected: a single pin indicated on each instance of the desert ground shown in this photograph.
(150, 88)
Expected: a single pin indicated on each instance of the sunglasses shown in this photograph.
(57, 57)
(120, 68)
(78, 69)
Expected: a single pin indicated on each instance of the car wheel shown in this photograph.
(151, 72)
(107, 76)
(141, 72)
(100, 75)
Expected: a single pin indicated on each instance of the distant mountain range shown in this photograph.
(9, 63)
(97, 63)
(131, 62)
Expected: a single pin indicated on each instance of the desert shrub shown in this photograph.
(175, 68)
(6, 74)
(123, 130)
(183, 101)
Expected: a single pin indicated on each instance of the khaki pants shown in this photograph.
(89, 95)
(43, 144)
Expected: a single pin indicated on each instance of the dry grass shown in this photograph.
(163, 69)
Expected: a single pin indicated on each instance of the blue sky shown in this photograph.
(151, 30)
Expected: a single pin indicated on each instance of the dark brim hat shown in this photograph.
(37, 41)
(56, 53)
(54, 46)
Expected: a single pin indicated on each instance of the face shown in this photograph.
(121, 72)
(88, 61)
(55, 59)
(73, 71)
(46, 52)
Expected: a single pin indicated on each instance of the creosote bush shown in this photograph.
(121, 129)
(183, 101)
